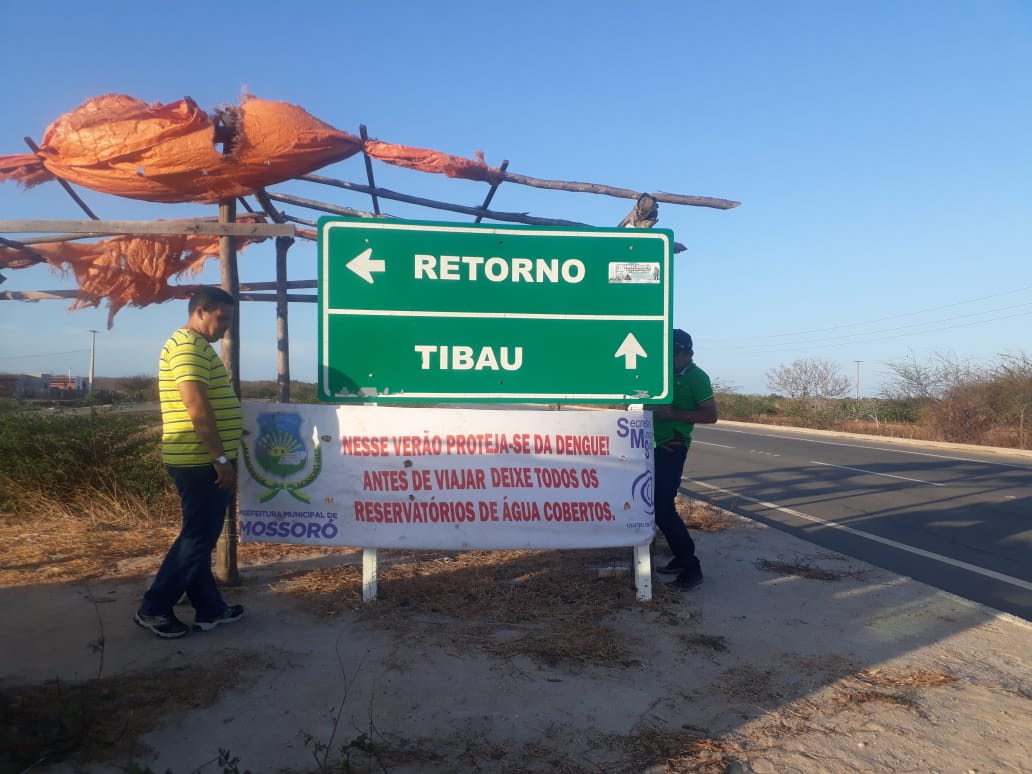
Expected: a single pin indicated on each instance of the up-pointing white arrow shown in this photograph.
(364, 265)
(630, 350)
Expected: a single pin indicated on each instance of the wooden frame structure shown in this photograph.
(285, 227)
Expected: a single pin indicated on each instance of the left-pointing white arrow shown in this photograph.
(364, 265)
(630, 350)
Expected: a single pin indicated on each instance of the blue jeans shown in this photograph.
(669, 468)
(187, 565)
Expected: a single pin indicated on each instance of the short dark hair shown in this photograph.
(209, 298)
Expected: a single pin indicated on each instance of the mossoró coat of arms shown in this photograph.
(281, 453)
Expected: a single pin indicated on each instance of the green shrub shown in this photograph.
(67, 456)
(909, 412)
(259, 390)
(304, 392)
(744, 408)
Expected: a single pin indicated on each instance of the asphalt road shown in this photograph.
(957, 518)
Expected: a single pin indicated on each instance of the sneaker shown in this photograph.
(673, 567)
(230, 614)
(686, 581)
(167, 627)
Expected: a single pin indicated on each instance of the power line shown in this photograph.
(43, 354)
(844, 339)
(897, 316)
(795, 347)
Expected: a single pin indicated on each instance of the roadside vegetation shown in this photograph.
(941, 399)
(75, 459)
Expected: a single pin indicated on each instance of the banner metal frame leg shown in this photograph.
(369, 560)
(643, 572)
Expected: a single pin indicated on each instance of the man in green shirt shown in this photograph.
(693, 403)
(201, 425)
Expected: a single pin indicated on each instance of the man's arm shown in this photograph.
(703, 414)
(195, 398)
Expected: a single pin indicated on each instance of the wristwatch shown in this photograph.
(222, 459)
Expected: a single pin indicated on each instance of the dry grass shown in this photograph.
(714, 642)
(567, 645)
(701, 516)
(98, 536)
(554, 603)
(87, 538)
(896, 688)
(682, 750)
(549, 595)
(804, 567)
(906, 678)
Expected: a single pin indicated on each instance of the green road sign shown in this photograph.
(420, 311)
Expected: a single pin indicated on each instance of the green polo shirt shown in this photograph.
(691, 387)
(188, 357)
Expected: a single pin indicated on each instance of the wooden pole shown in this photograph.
(90, 228)
(31, 256)
(490, 193)
(385, 193)
(282, 325)
(369, 168)
(231, 284)
(282, 298)
(226, 569)
(64, 183)
(623, 193)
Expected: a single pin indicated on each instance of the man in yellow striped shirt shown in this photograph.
(201, 425)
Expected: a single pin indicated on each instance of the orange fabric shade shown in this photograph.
(120, 145)
(127, 270)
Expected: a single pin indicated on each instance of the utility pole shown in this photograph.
(858, 362)
(93, 354)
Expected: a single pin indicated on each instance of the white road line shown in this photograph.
(721, 445)
(872, 445)
(872, 473)
(1021, 584)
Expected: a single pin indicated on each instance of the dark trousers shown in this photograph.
(187, 565)
(669, 468)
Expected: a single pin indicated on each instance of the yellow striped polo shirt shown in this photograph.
(188, 357)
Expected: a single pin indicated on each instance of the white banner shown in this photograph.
(390, 477)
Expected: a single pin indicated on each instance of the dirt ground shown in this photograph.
(787, 659)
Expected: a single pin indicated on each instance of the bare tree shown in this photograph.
(720, 386)
(934, 380)
(1015, 366)
(1011, 395)
(811, 378)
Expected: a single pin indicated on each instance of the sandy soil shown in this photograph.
(758, 670)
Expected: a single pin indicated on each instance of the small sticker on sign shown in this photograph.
(623, 273)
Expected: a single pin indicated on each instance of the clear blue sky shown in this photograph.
(881, 151)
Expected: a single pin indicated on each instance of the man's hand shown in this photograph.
(225, 475)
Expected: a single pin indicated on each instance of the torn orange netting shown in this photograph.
(120, 145)
(126, 270)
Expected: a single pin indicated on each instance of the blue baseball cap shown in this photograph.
(682, 341)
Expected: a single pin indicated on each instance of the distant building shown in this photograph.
(65, 386)
(30, 386)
